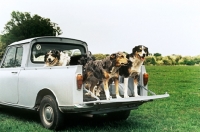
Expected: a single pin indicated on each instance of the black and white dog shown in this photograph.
(56, 58)
(90, 81)
(133, 68)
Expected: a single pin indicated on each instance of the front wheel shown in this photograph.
(119, 115)
(50, 115)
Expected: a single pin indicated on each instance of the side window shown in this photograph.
(18, 60)
(13, 57)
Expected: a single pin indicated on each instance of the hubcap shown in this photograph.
(48, 114)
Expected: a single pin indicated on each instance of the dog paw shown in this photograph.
(87, 93)
(136, 95)
(109, 98)
(118, 97)
(92, 95)
(98, 94)
(126, 96)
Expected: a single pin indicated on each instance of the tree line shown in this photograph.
(158, 59)
(173, 60)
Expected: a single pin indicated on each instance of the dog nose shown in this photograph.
(144, 55)
(49, 59)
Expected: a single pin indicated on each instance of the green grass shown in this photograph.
(178, 113)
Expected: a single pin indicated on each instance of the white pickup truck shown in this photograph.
(54, 91)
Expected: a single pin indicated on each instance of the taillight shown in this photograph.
(145, 78)
(79, 79)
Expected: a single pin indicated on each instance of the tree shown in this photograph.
(153, 61)
(100, 56)
(166, 61)
(197, 59)
(148, 60)
(157, 54)
(178, 57)
(189, 62)
(172, 59)
(2, 48)
(23, 26)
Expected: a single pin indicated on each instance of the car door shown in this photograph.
(9, 72)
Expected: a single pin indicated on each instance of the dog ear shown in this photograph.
(134, 49)
(113, 56)
(146, 50)
(45, 57)
(128, 55)
(57, 54)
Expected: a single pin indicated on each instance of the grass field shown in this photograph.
(178, 113)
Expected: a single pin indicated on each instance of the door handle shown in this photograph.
(14, 72)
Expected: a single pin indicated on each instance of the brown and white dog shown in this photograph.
(56, 58)
(133, 67)
(104, 70)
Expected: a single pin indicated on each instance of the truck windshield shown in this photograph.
(40, 49)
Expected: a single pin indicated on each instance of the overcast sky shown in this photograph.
(164, 26)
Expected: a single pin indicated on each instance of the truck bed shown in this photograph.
(102, 99)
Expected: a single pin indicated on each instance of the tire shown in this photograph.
(50, 116)
(118, 116)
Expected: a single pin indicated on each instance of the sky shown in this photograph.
(108, 26)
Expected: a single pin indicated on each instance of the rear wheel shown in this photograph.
(50, 116)
(119, 115)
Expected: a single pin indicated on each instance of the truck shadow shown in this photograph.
(20, 114)
(101, 123)
(73, 121)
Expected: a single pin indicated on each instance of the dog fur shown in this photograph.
(133, 67)
(106, 69)
(90, 81)
(56, 58)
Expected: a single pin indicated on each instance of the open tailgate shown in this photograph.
(131, 99)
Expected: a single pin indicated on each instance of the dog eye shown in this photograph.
(54, 55)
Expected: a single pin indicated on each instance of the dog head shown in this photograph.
(52, 57)
(119, 59)
(140, 52)
(85, 58)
